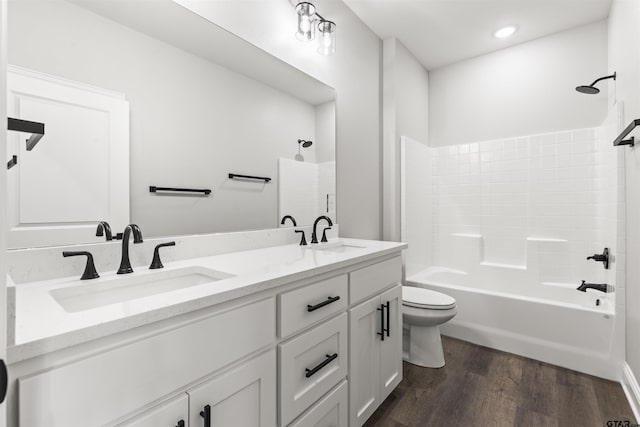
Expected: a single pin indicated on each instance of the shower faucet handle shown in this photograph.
(603, 258)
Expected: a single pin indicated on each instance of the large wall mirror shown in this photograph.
(145, 94)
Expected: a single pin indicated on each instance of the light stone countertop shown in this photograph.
(42, 325)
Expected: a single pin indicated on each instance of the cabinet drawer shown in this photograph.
(330, 411)
(305, 306)
(167, 414)
(107, 386)
(373, 279)
(310, 365)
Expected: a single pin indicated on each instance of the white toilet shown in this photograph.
(423, 311)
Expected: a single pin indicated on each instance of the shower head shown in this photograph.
(305, 144)
(592, 89)
(589, 90)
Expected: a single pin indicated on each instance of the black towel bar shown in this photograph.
(620, 140)
(205, 191)
(34, 128)
(259, 178)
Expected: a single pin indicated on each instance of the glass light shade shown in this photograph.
(327, 38)
(306, 14)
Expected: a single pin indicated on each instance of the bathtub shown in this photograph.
(550, 322)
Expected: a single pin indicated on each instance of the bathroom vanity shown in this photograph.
(284, 335)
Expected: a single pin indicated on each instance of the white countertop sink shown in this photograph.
(57, 313)
(339, 246)
(89, 294)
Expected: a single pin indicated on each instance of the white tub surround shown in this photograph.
(268, 335)
(505, 228)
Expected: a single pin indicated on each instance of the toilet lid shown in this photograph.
(425, 298)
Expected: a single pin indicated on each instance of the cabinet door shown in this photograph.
(364, 360)
(391, 347)
(173, 413)
(244, 396)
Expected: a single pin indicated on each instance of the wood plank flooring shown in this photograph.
(483, 387)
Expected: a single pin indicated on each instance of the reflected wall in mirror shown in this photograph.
(130, 102)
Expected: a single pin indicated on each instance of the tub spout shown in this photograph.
(602, 287)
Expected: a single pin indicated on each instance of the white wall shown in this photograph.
(192, 121)
(624, 58)
(354, 71)
(522, 90)
(325, 141)
(405, 106)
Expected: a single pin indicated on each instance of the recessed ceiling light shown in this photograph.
(505, 32)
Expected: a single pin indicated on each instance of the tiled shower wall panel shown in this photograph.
(559, 186)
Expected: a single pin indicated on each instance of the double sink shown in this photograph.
(87, 295)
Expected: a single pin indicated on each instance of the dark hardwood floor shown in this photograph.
(483, 387)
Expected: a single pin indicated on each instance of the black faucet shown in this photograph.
(314, 236)
(286, 217)
(602, 287)
(603, 258)
(104, 229)
(125, 264)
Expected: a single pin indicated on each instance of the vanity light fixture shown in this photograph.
(308, 21)
(505, 32)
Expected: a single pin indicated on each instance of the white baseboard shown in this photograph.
(631, 389)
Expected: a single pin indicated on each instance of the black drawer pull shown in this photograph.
(206, 414)
(329, 359)
(180, 423)
(329, 300)
(382, 329)
(388, 318)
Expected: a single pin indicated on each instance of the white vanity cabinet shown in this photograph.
(320, 351)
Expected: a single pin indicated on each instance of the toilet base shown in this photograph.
(422, 346)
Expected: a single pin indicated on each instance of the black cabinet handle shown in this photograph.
(381, 310)
(388, 318)
(329, 300)
(180, 423)
(206, 414)
(329, 359)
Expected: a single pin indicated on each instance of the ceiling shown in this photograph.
(441, 32)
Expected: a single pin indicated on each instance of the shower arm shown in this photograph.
(612, 76)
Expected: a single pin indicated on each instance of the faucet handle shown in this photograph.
(157, 263)
(89, 269)
(324, 235)
(303, 241)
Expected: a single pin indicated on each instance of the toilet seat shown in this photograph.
(424, 298)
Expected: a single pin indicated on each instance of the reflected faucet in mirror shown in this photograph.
(286, 217)
(314, 236)
(125, 263)
(104, 229)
